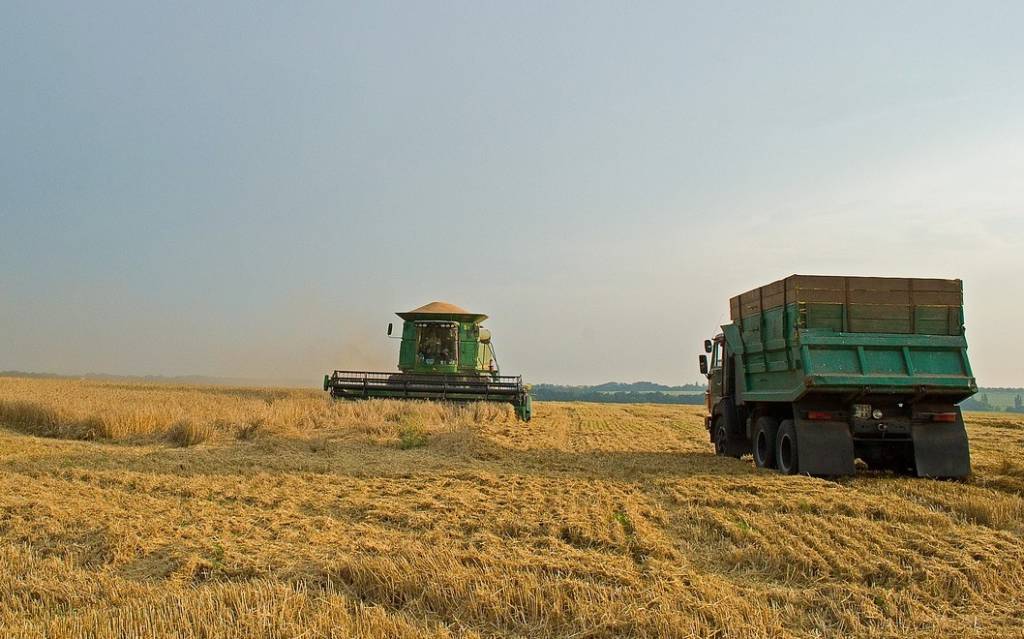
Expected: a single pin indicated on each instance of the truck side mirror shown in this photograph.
(708, 346)
(390, 328)
(703, 364)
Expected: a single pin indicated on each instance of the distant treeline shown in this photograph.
(621, 393)
(651, 393)
(981, 401)
(638, 387)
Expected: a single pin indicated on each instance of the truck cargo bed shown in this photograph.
(860, 304)
(809, 333)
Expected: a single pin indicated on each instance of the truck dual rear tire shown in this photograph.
(786, 453)
(763, 444)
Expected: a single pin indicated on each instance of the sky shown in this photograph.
(252, 189)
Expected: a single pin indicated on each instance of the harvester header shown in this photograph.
(445, 354)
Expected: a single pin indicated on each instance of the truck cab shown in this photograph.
(721, 416)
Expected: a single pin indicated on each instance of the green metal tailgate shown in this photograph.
(828, 361)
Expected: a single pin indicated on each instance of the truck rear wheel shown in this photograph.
(786, 453)
(765, 429)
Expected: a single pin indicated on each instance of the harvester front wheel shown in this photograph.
(524, 408)
(765, 429)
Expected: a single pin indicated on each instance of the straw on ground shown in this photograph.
(148, 511)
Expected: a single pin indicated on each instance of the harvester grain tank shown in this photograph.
(445, 354)
(816, 371)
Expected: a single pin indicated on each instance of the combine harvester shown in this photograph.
(445, 355)
(816, 371)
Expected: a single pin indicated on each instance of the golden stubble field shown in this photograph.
(129, 510)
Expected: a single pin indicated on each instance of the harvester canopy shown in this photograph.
(446, 355)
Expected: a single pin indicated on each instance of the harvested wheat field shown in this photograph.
(154, 511)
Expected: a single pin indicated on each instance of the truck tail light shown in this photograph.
(944, 417)
(819, 415)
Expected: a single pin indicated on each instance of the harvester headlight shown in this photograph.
(862, 411)
(877, 413)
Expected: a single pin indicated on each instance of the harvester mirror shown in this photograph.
(391, 327)
(703, 364)
(708, 346)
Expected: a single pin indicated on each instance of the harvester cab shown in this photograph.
(445, 354)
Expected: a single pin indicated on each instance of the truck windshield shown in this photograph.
(438, 343)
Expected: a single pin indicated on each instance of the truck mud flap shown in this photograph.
(940, 450)
(824, 448)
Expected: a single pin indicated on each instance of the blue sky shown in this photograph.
(251, 189)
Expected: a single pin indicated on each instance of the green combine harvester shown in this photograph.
(445, 355)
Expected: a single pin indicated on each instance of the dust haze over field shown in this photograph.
(131, 510)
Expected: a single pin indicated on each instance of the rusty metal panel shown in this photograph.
(734, 308)
(936, 320)
(773, 300)
(750, 303)
(879, 311)
(860, 304)
(880, 318)
(864, 296)
(938, 298)
(778, 286)
(931, 284)
(878, 283)
(872, 290)
(812, 282)
(818, 295)
(831, 289)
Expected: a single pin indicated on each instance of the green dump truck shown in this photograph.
(814, 372)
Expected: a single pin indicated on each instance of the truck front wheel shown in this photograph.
(765, 429)
(786, 450)
(725, 444)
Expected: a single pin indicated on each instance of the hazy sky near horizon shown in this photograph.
(253, 188)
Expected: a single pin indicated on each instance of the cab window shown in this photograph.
(438, 343)
(716, 355)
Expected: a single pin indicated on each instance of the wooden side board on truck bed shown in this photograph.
(860, 304)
